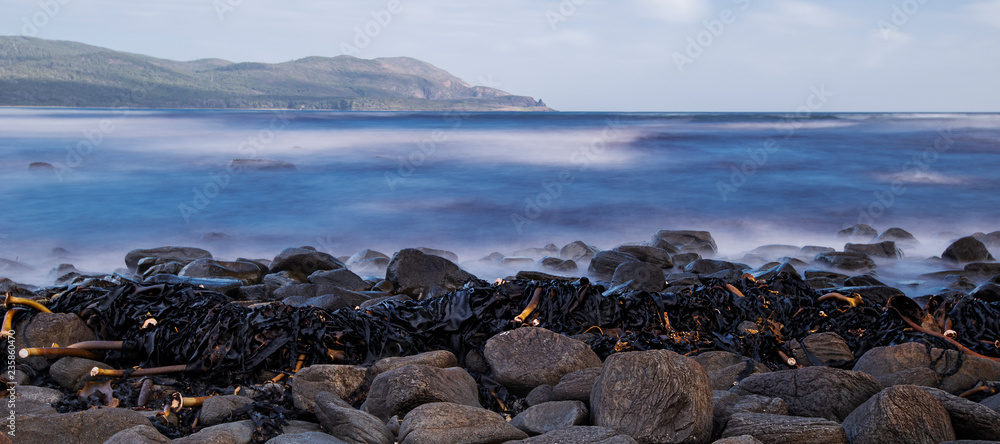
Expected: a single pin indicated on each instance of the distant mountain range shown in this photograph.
(37, 72)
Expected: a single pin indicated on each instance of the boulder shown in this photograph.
(348, 424)
(248, 272)
(967, 249)
(226, 286)
(726, 404)
(239, 432)
(671, 402)
(527, 357)
(639, 276)
(576, 386)
(145, 434)
(398, 391)
(682, 260)
(341, 380)
(306, 438)
(886, 249)
(972, 421)
(579, 435)
(557, 265)
(73, 373)
(742, 439)
(817, 392)
(543, 393)
(217, 409)
(709, 266)
(650, 255)
(956, 373)
(688, 241)
(423, 276)
(546, 417)
(860, 232)
(304, 262)
(183, 255)
(899, 236)
(769, 428)
(334, 300)
(992, 402)
(445, 422)
(262, 165)
(821, 349)
(604, 264)
(850, 260)
(989, 292)
(578, 251)
(900, 414)
(97, 425)
(439, 359)
(45, 329)
(863, 280)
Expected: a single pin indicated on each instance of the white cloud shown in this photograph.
(675, 11)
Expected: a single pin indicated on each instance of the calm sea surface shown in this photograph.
(482, 182)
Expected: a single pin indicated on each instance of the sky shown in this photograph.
(591, 55)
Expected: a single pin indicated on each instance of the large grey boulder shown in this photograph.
(341, 380)
(182, 255)
(424, 276)
(249, 272)
(528, 357)
(901, 414)
(304, 262)
(956, 372)
(970, 420)
(548, 416)
(817, 392)
(779, 429)
(445, 422)
(83, 427)
(579, 435)
(398, 391)
(967, 249)
(671, 402)
(437, 358)
(688, 241)
(348, 424)
(639, 276)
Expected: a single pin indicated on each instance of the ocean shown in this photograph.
(475, 183)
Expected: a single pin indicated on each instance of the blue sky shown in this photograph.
(591, 55)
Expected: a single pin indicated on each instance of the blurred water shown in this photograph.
(482, 182)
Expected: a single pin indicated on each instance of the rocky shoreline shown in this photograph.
(655, 341)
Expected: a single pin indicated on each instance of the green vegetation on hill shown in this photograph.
(36, 72)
